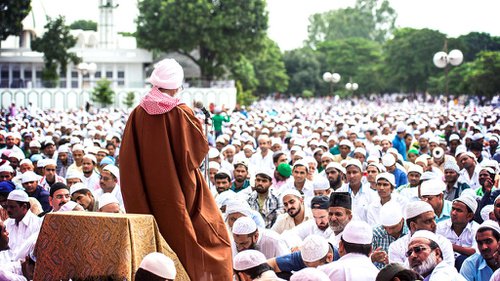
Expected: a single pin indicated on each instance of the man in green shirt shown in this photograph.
(217, 120)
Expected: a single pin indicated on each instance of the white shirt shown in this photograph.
(351, 267)
(444, 271)
(19, 233)
(117, 192)
(361, 200)
(92, 182)
(286, 222)
(398, 249)
(300, 232)
(472, 182)
(467, 237)
(269, 243)
(258, 162)
(373, 213)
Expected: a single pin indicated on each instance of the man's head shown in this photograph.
(463, 209)
(78, 153)
(414, 174)
(49, 170)
(319, 207)
(168, 76)
(354, 172)
(385, 185)
(391, 218)
(315, 251)
(73, 178)
(468, 160)
(240, 172)
(420, 216)
(372, 170)
(356, 238)
(109, 178)
(339, 211)
(487, 238)
(486, 177)
(263, 181)
(424, 253)
(326, 159)
(264, 143)
(334, 173)
(293, 202)
(345, 148)
(82, 195)
(451, 172)
(222, 180)
(108, 203)
(6, 172)
(59, 195)
(155, 267)
(245, 234)
(389, 162)
(431, 191)
(299, 171)
(18, 204)
(29, 180)
(321, 187)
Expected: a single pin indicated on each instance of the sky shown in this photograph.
(288, 19)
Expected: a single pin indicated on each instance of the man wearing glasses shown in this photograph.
(426, 257)
(59, 195)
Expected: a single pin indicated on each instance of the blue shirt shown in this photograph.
(400, 145)
(400, 177)
(43, 197)
(445, 212)
(475, 268)
(294, 262)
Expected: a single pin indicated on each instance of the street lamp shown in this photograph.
(442, 60)
(351, 86)
(331, 78)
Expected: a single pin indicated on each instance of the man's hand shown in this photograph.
(380, 255)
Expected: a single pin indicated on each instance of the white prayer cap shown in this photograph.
(167, 74)
(321, 183)
(416, 208)
(213, 153)
(267, 172)
(433, 186)
(90, 157)
(214, 165)
(68, 206)
(450, 165)
(425, 234)
(244, 226)
(314, 248)
(237, 206)
(300, 154)
(388, 160)
(78, 147)
(300, 162)
(25, 161)
(309, 274)
(354, 162)
(75, 140)
(460, 149)
(327, 155)
(47, 162)
(390, 214)
(486, 224)
(18, 155)
(377, 165)
(63, 149)
(294, 192)
(74, 175)
(401, 128)
(106, 199)
(224, 197)
(488, 169)
(35, 143)
(485, 212)
(113, 170)
(6, 168)
(469, 201)
(18, 195)
(336, 165)
(247, 146)
(29, 176)
(454, 137)
(225, 172)
(160, 265)
(248, 259)
(358, 232)
(387, 176)
(428, 176)
(415, 169)
(345, 143)
(360, 150)
(78, 187)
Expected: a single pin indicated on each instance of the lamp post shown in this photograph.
(442, 60)
(331, 78)
(351, 86)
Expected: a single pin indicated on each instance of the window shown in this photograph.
(109, 74)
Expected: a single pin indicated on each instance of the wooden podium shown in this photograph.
(97, 246)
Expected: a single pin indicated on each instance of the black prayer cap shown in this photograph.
(341, 199)
(319, 202)
(56, 186)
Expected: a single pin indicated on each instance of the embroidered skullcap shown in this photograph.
(106, 199)
(167, 74)
(390, 214)
(321, 183)
(248, 259)
(358, 232)
(244, 226)
(416, 208)
(314, 248)
(160, 265)
(18, 195)
(309, 274)
(469, 201)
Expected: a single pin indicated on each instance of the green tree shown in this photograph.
(270, 69)
(102, 93)
(244, 97)
(356, 58)
(12, 13)
(84, 25)
(484, 73)
(242, 71)
(476, 42)
(211, 33)
(369, 19)
(129, 99)
(303, 68)
(54, 45)
(408, 58)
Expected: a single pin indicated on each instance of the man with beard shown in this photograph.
(319, 226)
(263, 158)
(64, 160)
(480, 266)
(248, 237)
(90, 176)
(392, 227)
(339, 215)
(335, 173)
(263, 200)
(300, 182)
(425, 256)
(240, 173)
(453, 187)
(410, 190)
(419, 216)
(30, 180)
(295, 211)
(83, 196)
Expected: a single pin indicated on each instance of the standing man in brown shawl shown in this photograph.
(163, 146)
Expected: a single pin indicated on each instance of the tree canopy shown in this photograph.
(211, 33)
(84, 25)
(12, 13)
